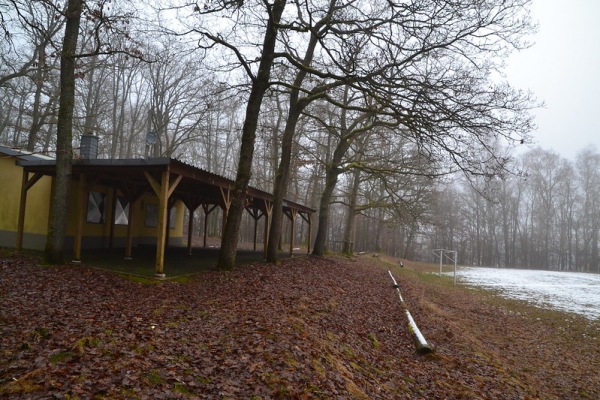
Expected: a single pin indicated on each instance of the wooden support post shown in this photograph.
(132, 194)
(161, 231)
(81, 209)
(163, 190)
(307, 218)
(256, 214)
(255, 233)
(129, 244)
(256, 217)
(292, 216)
(192, 203)
(207, 210)
(205, 230)
(190, 230)
(170, 205)
(112, 218)
(26, 184)
(309, 232)
(22, 205)
(268, 212)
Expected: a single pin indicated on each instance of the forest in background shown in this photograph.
(432, 168)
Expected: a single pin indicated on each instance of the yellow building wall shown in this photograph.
(38, 206)
(10, 193)
(94, 235)
(143, 230)
(98, 234)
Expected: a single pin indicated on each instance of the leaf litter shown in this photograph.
(310, 328)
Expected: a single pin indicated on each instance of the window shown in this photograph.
(95, 210)
(122, 211)
(152, 216)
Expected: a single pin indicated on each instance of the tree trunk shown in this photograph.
(348, 242)
(282, 176)
(281, 182)
(64, 134)
(37, 119)
(259, 86)
(321, 239)
(332, 174)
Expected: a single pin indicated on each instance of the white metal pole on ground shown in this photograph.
(421, 344)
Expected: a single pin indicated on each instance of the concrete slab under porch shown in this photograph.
(178, 262)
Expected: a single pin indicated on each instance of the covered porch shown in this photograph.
(167, 179)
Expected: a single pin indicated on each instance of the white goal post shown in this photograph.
(451, 255)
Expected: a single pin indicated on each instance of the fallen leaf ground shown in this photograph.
(310, 328)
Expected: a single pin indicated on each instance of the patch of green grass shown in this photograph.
(83, 343)
(128, 394)
(318, 367)
(144, 349)
(24, 385)
(154, 378)
(290, 360)
(182, 389)
(347, 351)
(60, 356)
(39, 334)
(277, 384)
(11, 251)
(139, 279)
(203, 380)
(181, 279)
(374, 341)
(297, 324)
(316, 391)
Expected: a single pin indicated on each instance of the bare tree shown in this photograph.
(351, 124)
(588, 179)
(260, 83)
(432, 77)
(178, 105)
(64, 145)
(102, 23)
(25, 24)
(426, 64)
(27, 60)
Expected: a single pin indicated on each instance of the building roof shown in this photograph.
(196, 187)
(22, 154)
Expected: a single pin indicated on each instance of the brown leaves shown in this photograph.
(310, 328)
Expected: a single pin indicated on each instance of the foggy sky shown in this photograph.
(563, 70)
